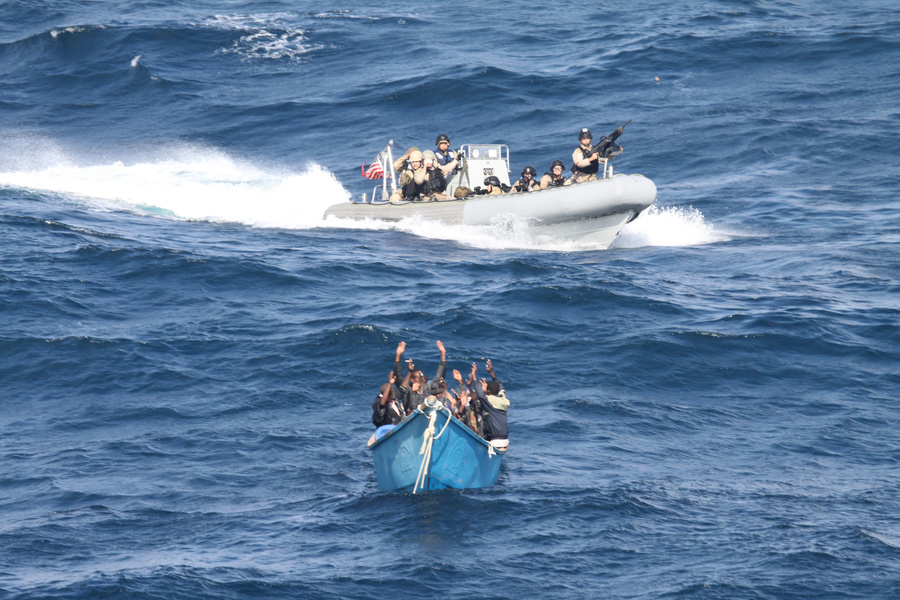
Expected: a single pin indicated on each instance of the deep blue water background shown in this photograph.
(188, 352)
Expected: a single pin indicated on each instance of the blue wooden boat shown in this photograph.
(432, 450)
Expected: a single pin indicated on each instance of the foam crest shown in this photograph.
(267, 36)
(669, 226)
(193, 185)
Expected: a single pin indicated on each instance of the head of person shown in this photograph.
(437, 386)
(491, 181)
(415, 159)
(442, 142)
(493, 387)
(528, 172)
(557, 167)
(584, 136)
(384, 389)
(429, 159)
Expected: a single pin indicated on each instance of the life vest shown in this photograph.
(592, 168)
(443, 159)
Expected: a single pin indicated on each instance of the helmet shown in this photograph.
(557, 163)
(492, 180)
(585, 133)
(529, 170)
(428, 155)
(415, 156)
(441, 138)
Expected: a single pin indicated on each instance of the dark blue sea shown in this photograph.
(189, 349)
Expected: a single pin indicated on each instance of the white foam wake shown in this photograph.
(193, 184)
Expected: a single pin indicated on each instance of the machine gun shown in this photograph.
(607, 146)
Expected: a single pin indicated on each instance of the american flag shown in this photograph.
(375, 171)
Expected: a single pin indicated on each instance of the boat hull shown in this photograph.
(594, 211)
(459, 458)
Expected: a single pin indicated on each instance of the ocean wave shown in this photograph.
(264, 36)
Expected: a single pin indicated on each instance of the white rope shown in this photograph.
(428, 441)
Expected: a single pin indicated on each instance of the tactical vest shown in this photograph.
(554, 182)
(592, 168)
(435, 183)
(522, 186)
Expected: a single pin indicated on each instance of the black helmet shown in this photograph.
(529, 170)
(441, 138)
(492, 180)
(585, 133)
(557, 163)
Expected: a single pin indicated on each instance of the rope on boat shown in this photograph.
(428, 441)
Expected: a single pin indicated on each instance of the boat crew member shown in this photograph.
(435, 182)
(447, 159)
(555, 177)
(412, 180)
(527, 183)
(586, 159)
(492, 185)
(493, 406)
(402, 163)
(387, 409)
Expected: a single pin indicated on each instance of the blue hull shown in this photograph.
(459, 458)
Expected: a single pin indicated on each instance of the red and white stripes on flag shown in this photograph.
(375, 170)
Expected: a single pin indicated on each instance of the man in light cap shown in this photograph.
(411, 181)
(586, 160)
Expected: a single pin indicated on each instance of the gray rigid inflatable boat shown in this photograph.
(593, 212)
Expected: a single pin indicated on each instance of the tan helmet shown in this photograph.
(429, 155)
(415, 155)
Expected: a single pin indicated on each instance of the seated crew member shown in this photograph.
(387, 409)
(493, 406)
(555, 177)
(402, 163)
(527, 183)
(413, 389)
(492, 185)
(411, 182)
(447, 159)
(435, 183)
(586, 159)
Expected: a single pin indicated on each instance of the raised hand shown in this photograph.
(457, 376)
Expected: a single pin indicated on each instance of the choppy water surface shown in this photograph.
(188, 350)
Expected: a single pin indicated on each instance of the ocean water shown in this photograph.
(188, 350)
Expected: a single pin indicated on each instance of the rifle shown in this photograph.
(607, 146)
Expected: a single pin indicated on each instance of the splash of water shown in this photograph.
(669, 226)
(192, 184)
